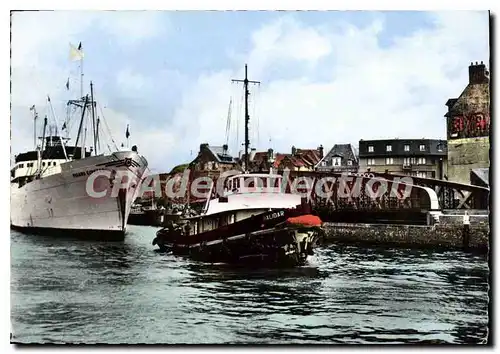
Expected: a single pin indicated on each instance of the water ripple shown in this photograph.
(70, 291)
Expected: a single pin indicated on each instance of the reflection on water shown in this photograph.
(77, 291)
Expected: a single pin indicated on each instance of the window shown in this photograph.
(389, 160)
(54, 163)
(440, 147)
(370, 162)
(370, 148)
(349, 162)
(323, 163)
(336, 161)
(407, 147)
(422, 147)
(422, 174)
(388, 148)
(21, 165)
(406, 161)
(413, 160)
(421, 160)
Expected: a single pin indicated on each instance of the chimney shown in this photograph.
(252, 154)
(294, 150)
(270, 155)
(320, 150)
(203, 147)
(478, 74)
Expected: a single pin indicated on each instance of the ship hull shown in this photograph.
(264, 240)
(80, 234)
(61, 203)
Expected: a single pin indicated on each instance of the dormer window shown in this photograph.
(407, 147)
(370, 148)
(336, 161)
(349, 162)
(388, 148)
(422, 147)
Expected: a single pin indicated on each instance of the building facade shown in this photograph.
(468, 126)
(298, 160)
(214, 159)
(414, 157)
(341, 158)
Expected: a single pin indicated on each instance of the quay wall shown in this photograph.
(438, 236)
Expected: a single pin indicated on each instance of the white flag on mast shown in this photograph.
(75, 53)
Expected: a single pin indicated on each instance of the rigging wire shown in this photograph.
(107, 127)
(255, 117)
(228, 122)
(238, 118)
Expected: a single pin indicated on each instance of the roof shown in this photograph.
(260, 156)
(346, 151)
(398, 147)
(220, 154)
(483, 174)
(302, 157)
(278, 158)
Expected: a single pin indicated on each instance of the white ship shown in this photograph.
(50, 184)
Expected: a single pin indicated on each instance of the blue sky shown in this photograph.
(327, 77)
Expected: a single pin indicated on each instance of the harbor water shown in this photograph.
(74, 291)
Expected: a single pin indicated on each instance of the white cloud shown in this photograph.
(131, 26)
(344, 87)
(39, 35)
(40, 46)
(369, 92)
(130, 82)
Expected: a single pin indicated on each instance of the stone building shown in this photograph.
(341, 158)
(414, 157)
(214, 159)
(298, 160)
(468, 126)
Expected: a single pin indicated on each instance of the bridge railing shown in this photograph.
(451, 195)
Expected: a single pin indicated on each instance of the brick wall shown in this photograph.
(468, 124)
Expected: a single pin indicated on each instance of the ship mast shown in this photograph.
(247, 116)
(77, 54)
(94, 127)
(35, 117)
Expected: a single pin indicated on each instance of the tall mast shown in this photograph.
(56, 130)
(97, 134)
(247, 116)
(35, 117)
(93, 117)
(43, 135)
(82, 152)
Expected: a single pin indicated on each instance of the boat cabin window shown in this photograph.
(21, 165)
(257, 183)
(43, 164)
